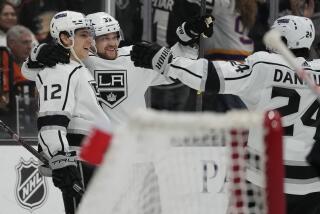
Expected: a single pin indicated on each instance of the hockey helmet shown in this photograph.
(103, 23)
(68, 21)
(297, 30)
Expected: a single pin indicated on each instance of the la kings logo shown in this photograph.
(112, 85)
(31, 188)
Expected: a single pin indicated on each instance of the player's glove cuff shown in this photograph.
(161, 59)
(150, 55)
(63, 159)
(183, 36)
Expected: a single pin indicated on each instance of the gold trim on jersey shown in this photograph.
(229, 52)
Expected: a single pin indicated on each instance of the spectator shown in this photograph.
(233, 20)
(19, 39)
(297, 7)
(8, 18)
(128, 15)
(286, 7)
(261, 26)
(37, 14)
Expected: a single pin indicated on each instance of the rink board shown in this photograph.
(22, 189)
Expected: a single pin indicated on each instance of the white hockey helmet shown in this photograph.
(297, 30)
(103, 23)
(67, 21)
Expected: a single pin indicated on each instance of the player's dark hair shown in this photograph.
(300, 52)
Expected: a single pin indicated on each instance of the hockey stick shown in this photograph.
(273, 39)
(23, 143)
(199, 96)
(42, 158)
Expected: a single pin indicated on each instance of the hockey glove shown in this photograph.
(65, 174)
(314, 156)
(50, 55)
(189, 32)
(34, 64)
(149, 55)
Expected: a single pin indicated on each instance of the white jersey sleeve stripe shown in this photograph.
(61, 141)
(44, 144)
(39, 77)
(188, 71)
(53, 141)
(68, 85)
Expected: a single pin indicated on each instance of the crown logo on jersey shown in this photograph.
(111, 97)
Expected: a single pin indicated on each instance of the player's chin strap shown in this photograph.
(76, 57)
(93, 48)
(72, 51)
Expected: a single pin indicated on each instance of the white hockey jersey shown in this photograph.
(122, 85)
(266, 82)
(68, 104)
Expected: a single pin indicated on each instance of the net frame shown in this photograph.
(116, 168)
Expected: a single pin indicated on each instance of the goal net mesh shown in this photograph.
(188, 163)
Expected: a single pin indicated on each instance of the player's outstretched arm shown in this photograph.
(198, 74)
(190, 31)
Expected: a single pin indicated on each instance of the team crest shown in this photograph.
(112, 85)
(31, 188)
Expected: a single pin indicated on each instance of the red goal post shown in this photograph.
(190, 163)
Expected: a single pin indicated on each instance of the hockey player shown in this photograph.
(122, 85)
(264, 81)
(68, 106)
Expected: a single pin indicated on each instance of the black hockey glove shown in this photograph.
(65, 174)
(49, 55)
(189, 32)
(150, 55)
(314, 156)
(34, 64)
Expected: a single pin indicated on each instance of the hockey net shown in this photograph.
(180, 163)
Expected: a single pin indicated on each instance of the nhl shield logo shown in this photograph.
(112, 85)
(31, 188)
